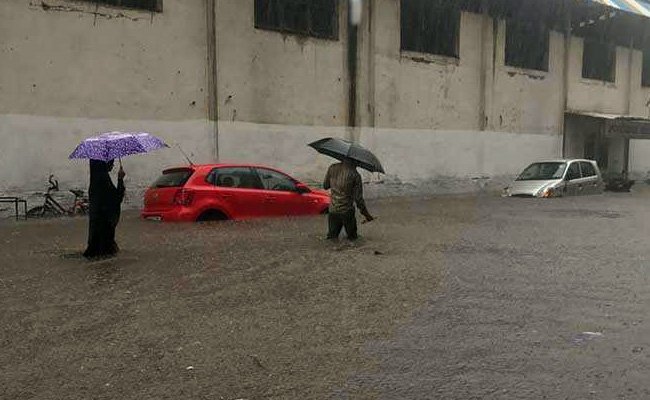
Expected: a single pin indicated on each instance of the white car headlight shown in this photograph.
(547, 192)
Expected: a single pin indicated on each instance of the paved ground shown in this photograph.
(446, 298)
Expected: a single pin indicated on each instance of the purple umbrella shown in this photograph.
(112, 145)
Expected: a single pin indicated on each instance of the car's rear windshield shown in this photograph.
(173, 178)
(543, 171)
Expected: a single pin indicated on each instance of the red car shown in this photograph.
(227, 191)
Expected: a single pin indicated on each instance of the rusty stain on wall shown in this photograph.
(69, 8)
(527, 75)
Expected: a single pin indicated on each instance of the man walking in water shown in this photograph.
(346, 191)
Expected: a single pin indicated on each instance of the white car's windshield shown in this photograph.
(543, 171)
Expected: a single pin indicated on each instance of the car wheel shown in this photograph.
(212, 215)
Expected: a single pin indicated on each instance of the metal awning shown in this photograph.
(640, 7)
(628, 126)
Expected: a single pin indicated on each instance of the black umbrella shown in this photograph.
(342, 149)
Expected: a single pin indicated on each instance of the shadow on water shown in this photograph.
(104, 271)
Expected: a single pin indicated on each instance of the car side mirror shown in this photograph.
(302, 188)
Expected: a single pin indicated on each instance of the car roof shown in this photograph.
(219, 165)
(563, 160)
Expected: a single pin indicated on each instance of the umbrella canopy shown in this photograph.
(342, 149)
(112, 145)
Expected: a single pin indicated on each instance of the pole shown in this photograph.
(565, 72)
(354, 12)
(213, 103)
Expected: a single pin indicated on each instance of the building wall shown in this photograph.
(639, 159)
(278, 92)
(418, 112)
(427, 111)
(577, 129)
(69, 70)
(597, 96)
(639, 153)
(527, 101)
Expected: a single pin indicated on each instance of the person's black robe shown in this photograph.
(105, 205)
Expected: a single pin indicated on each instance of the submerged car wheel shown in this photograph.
(212, 215)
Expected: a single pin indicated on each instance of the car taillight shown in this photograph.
(183, 197)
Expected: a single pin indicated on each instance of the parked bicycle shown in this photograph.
(52, 208)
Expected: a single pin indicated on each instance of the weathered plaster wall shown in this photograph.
(578, 128)
(528, 101)
(423, 113)
(269, 77)
(417, 91)
(278, 92)
(598, 96)
(70, 69)
(640, 159)
(72, 59)
(616, 155)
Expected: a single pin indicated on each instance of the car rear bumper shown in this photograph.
(179, 214)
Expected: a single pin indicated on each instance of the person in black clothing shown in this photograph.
(105, 206)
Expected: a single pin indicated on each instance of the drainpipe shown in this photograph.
(565, 73)
(371, 65)
(354, 13)
(213, 102)
(485, 26)
(626, 148)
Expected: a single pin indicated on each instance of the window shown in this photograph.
(317, 18)
(173, 178)
(587, 169)
(150, 5)
(599, 61)
(527, 45)
(543, 171)
(430, 26)
(573, 172)
(238, 178)
(276, 181)
(645, 73)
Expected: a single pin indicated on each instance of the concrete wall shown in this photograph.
(424, 113)
(70, 69)
(598, 96)
(420, 113)
(577, 129)
(278, 92)
(527, 101)
(640, 159)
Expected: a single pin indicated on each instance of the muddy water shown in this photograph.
(259, 309)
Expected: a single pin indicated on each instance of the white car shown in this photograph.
(570, 177)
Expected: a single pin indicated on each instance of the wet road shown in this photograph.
(445, 298)
(540, 300)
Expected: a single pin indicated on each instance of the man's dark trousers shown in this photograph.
(339, 220)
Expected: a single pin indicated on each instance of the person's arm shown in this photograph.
(358, 199)
(120, 185)
(326, 182)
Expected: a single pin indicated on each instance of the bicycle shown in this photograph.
(52, 208)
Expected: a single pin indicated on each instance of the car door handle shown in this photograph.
(269, 199)
(226, 196)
